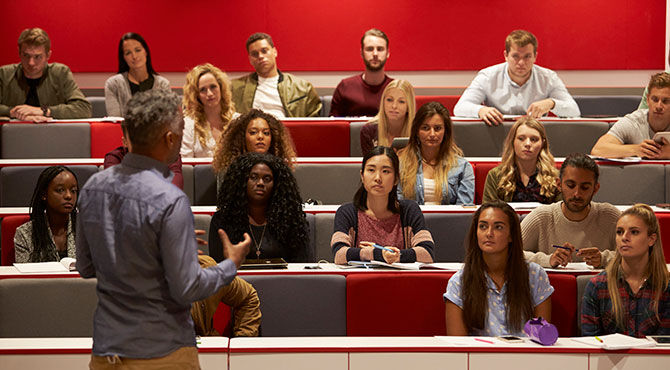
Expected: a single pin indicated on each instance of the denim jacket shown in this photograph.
(461, 181)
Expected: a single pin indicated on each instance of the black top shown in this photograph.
(530, 192)
(31, 98)
(143, 86)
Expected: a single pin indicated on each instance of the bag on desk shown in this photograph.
(541, 331)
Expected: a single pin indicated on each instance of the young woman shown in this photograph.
(432, 167)
(50, 233)
(208, 108)
(260, 196)
(527, 172)
(632, 295)
(135, 74)
(377, 217)
(396, 112)
(496, 292)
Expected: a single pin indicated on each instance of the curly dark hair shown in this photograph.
(232, 143)
(43, 248)
(285, 218)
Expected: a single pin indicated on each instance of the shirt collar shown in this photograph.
(508, 79)
(143, 162)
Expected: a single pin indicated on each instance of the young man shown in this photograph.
(35, 90)
(270, 90)
(574, 223)
(516, 87)
(135, 235)
(631, 136)
(360, 95)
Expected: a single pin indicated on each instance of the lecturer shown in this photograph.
(135, 235)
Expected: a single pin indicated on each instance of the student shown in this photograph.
(527, 172)
(208, 108)
(50, 233)
(377, 216)
(394, 118)
(632, 295)
(432, 167)
(259, 196)
(136, 74)
(496, 291)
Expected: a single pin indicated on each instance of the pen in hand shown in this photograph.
(383, 248)
(562, 247)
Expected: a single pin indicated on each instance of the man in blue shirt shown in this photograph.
(135, 234)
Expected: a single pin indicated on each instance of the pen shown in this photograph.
(484, 340)
(562, 247)
(383, 248)
(599, 340)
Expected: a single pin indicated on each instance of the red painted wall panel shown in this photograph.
(320, 36)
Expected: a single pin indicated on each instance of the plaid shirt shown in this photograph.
(598, 317)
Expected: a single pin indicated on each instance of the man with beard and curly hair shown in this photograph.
(551, 233)
(259, 196)
(359, 95)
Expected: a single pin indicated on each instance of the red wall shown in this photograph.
(324, 36)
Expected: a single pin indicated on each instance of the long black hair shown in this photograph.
(123, 66)
(42, 244)
(361, 196)
(285, 218)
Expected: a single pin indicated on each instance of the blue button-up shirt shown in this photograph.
(135, 234)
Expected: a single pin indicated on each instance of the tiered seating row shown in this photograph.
(312, 138)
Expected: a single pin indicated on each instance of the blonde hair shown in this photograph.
(382, 121)
(657, 270)
(447, 155)
(194, 108)
(546, 165)
(520, 38)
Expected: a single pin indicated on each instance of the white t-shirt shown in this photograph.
(634, 128)
(429, 195)
(267, 97)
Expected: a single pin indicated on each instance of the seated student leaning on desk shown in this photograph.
(496, 291)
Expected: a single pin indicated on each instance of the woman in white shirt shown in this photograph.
(208, 108)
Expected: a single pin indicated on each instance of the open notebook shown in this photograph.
(616, 341)
(66, 264)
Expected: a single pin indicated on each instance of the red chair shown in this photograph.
(320, 138)
(8, 229)
(449, 101)
(481, 170)
(105, 136)
(664, 225)
(564, 304)
(394, 304)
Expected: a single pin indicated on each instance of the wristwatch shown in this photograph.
(45, 110)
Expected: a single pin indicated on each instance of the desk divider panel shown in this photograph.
(567, 137)
(476, 139)
(607, 105)
(449, 231)
(331, 183)
(204, 185)
(582, 280)
(61, 140)
(323, 231)
(628, 184)
(355, 138)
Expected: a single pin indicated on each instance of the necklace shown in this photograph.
(428, 163)
(258, 245)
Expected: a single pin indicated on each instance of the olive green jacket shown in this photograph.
(56, 90)
(297, 95)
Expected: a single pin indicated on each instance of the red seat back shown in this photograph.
(7, 230)
(481, 170)
(664, 224)
(564, 304)
(105, 136)
(449, 101)
(393, 304)
(320, 138)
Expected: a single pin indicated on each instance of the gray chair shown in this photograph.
(641, 183)
(301, 305)
(187, 173)
(18, 183)
(201, 222)
(204, 185)
(58, 307)
(449, 231)
(607, 105)
(329, 183)
(479, 140)
(311, 233)
(99, 109)
(323, 234)
(326, 101)
(582, 280)
(355, 138)
(573, 137)
(62, 140)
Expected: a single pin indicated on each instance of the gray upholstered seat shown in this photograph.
(301, 305)
(204, 185)
(187, 173)
(582, 280)
(326, 101)
(355, 138)
(573, 137)
(54, 307)
(62, 140)
(479, 140)
(98, 107)
(18, 183)
(607, 105)
(323, 234)
(332, 183)
(449, 231)
(201, 222)
(641, 183)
